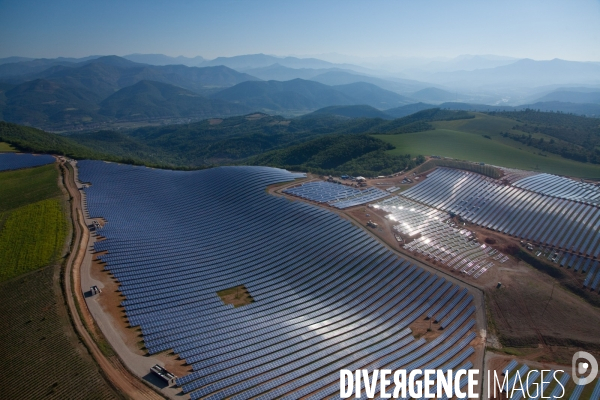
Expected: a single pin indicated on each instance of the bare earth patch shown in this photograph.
(236, 296)
(110, 299)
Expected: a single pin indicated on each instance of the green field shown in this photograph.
(464, 140)
(26, 186)
(40, 353)
(31, 237)
(33, 225)
(6, 148)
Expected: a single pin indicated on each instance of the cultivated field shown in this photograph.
(27, 186)
(31, 237)
(41, 356)
(33, 226)
(465, 140)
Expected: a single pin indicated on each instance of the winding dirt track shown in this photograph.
(114, 371)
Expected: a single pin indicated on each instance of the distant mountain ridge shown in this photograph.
(358, 111)
(105, 75)
(524, 72)
(299, 95)
(151, 100)
(435, 95)
(83, 93)
(161, 59)
(574, 95)
(69, 95)
(249, 61)
(296, 95)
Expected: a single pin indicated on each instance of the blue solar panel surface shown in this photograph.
(336, 195)
(326, 295)
(548, 217)
(10, 161)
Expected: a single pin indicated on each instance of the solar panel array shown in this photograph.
(532, 382)
(336, 195)
(326, 295)
(512, 175)
(550, 221)
(564, 188)
(436, 237)
(11, 161)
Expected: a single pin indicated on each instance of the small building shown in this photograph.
(360, 179)
(164, 374)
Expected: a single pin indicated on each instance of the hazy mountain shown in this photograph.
(150, 100)
(587, 109)
(367, 93)
(251, 61)
(573, 95)
(461, 63)
(297, 95)
(106, 75)
(161, 59)
(24, 68)
(526, 72)
(455, 105)
(278, 72)
(434, 95)
(359, 111)
(16, 67)
(10, 60)
(403, 111)
(65, 96)
(41, 102)
(401, 86)
(590, 110)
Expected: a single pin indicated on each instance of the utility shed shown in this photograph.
(164, 374)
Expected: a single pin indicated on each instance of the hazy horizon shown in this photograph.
(371, 32)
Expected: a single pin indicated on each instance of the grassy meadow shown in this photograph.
(6, 148)
(479, 140)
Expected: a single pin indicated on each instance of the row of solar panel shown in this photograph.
(550, 221)
(435, 237)
(12, 161)
(324, 290)
(336, 195)
(558, 186)
(549, 388)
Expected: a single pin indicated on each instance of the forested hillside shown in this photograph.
(573, 137)
(552, 142)
(340, 154)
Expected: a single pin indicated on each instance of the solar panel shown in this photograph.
(326, 294)
(556, 212)
(12, 161)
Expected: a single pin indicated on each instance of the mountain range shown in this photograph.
(525, 73)
(90, 92)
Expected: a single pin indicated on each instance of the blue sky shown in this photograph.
(535, 29)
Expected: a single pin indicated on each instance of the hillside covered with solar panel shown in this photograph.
(325, 294)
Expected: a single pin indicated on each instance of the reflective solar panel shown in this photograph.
(11, 161)
(326, 294)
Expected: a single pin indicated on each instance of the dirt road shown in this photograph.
(113, 370)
